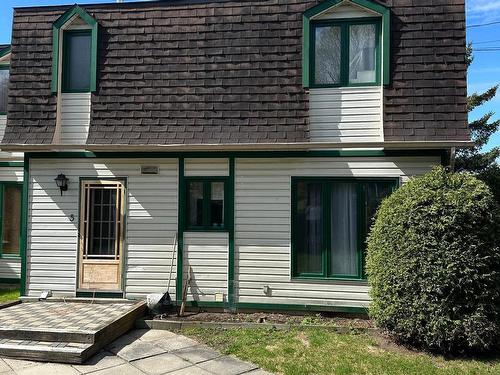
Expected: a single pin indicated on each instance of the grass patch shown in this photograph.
(10, 294)
(318, 351)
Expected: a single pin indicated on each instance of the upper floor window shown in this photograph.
(74, 52)
(4, 82)
(346, 43)
(345, 53)
(76, 61)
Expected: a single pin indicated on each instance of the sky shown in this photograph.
(483, 73)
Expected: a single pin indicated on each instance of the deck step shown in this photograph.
(51, 335)
(66, 352)
(26, 335)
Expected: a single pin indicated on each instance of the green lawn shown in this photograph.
(318, 351)
(7, 295)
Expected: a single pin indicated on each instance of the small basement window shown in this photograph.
(206, 208)
(76, 61)
(345, 53)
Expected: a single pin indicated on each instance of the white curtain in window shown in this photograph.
(344, 255)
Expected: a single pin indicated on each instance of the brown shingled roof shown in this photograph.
(230, 72)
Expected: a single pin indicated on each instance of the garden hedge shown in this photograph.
(433, 264)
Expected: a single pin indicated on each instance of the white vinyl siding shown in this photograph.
(75, 118)
(263, 229)
(10, 268)
(207, 254)
(151, 223)
(347, 114)
(208, 167)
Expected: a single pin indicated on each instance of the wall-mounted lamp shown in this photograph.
(62, 182)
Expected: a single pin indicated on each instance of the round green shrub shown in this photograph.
(433, 264)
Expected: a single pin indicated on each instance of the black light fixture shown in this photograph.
(62, 182)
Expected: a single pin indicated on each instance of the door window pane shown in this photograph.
(327, 55)
(195, 204)
(102, 236)
(362, 53)
(4, 82)
(344, 234)
(11, 223)
(76, 62)
(217, 204)
(309, 227)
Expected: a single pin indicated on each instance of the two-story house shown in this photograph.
(249, 141)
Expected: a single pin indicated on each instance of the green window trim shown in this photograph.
(56, 32)
(206, 181)
(5, 51)
(65, 60)
(326, 183)
(4, 185)
(383, 40)
(344, 26)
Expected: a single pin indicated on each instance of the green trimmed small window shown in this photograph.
(331, 219)
(76, 64)
(345, 53)
(206, 208)
(10, 229)
(4, 83)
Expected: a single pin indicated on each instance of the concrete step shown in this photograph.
(66, 352)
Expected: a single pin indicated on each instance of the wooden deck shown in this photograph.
(67, 331)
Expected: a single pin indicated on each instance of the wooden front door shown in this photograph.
(101, 235)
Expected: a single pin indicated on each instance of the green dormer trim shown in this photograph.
(385, 41)
(74, 11)
(5, 51)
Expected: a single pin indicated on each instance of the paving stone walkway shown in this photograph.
(143, 352)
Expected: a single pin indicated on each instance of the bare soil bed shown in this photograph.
(326, 319)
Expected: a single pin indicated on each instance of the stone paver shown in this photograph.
(226, 366)
(159, 363)
(197, 354)
(142, 352)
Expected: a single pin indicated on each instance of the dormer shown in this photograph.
(4, 85)
(346, 59)
(74, 72)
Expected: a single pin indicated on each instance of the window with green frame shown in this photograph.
(10, 209)
(331, 219)
(205, 199)
(76, 64)
(345, 52)
(4, 83)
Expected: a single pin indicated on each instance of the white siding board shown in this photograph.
(263, 232)
(75, 118)
(346, 114)
(206, 167)
(207, 254)
(151, 224)
(346, 10)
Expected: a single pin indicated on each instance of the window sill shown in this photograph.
(351, 85)
(205, 230)
(5, 256)
(326, 279)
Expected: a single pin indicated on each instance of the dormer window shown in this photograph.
(346, 43)
(345, 53)
(77, 46)
(74, 44)
(4, 78)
